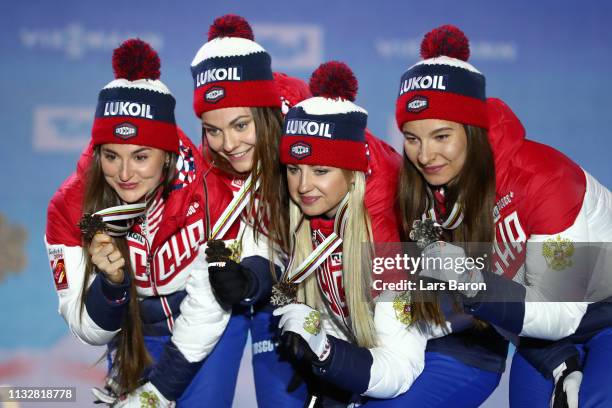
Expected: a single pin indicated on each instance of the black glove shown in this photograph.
(216, 251)
(230, 281)
(568, 377)
(295, 349)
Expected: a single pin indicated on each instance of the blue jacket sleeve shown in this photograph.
(502, 303)
(106, 302)
(173, 373)
(348, 366)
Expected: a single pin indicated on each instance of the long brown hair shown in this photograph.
(474, 188)
(271, 215)
(131, 356)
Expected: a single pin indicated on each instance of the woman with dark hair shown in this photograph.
(237, 99)
(468, 167)
(122, 278)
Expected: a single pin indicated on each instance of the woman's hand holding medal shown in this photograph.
(106, 257)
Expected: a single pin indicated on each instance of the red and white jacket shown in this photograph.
(542, 198)
(171, 239)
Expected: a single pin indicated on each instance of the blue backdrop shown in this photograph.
(549, 60)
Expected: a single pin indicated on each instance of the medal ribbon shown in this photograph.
(322, 251)
(453, 220)
(234, 209)
(128, 212)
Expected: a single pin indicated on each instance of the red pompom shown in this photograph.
(445, 40)
(230, 25)
(135, 59)
(334, 80)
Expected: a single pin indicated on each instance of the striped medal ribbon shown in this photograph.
(451, 222)
(107, 220)
(233, 210)
(285, 291)
(323, 250)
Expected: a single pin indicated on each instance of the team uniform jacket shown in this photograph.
(542, 198)
(254, 252)
(171, 274)
(390, 368)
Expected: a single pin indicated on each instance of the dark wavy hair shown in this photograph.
(474, 188)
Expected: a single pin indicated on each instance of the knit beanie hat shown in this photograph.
(136, 108)
(231, 69)
(292, 90)
(444, 85)
(327, 129)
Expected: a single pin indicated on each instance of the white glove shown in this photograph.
(145, 396)
(306, 322)
(103, 396)
(567, 385)
(438, 258)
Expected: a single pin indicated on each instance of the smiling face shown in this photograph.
(437, 148)
(318, 190)
(132, 170)
(231, 133)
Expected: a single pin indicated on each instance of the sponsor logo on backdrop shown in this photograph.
(61, 128)
(292, 46)
(300, 150)
(75, 40)
(401, 48)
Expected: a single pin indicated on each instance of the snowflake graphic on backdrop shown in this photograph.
(12, 248)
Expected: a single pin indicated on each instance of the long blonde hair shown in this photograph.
(356, 268)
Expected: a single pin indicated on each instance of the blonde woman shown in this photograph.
(341, 180)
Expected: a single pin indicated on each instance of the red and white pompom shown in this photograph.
(230, 25)
(136, 59)
(446, 40)
(334, 80)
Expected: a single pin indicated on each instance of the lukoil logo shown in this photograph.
(309, 128)
(423, 82)
(218, 74)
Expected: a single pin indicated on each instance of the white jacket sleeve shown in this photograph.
(202, 320)
(68, 269)
(400, 356)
